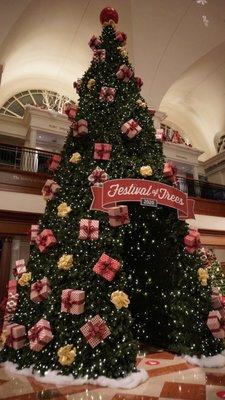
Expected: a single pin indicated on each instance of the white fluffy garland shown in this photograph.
(129, 382)
(217, 361)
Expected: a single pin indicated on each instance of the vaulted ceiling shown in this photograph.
(43, 44)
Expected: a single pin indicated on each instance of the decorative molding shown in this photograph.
(15, 180)
(17, 223)
(209, 207)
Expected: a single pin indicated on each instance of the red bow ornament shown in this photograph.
(98, 176)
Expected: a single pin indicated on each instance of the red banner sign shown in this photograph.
(139, 190)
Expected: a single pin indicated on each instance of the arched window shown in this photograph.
(45, 99)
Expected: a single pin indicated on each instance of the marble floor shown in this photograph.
(170, 378)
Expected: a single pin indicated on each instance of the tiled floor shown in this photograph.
(170, 378)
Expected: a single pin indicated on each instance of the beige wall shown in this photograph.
(21, 202)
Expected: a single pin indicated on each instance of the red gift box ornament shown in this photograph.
(177, 138)
(34, 231)
(77, 85)
(40, 335)
(160, 135)
(80, 128)
(192, 240)
(124, 73)
(107, 94)
(16, 336)
(94, 42)
(40, 290)
(20, 267)
(131, 128)
(102, 151)
(11, 304)
(54, 162)
(50, 189)
(138, 82)
(70, 109)
(121, 37)
(170, 172)
(118, 216)
(216, 324)
(97, 177)
(89, 229)
(107, 267)
(73, 301)
(95, 330)
(45, 240)
(99, 55)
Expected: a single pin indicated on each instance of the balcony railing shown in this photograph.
(24, 158)
(202, 189)
(33, 160)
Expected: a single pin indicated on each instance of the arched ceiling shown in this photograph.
(43, 44)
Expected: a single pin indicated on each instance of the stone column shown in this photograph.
(158, 118)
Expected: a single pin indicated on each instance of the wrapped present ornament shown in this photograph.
(77, 85)
(40, 335)
(107, 94)
(54, 162)
(80, 128)
(50, 189)
(131, 128)
(70, 109)
(89, 229)
(73, 301)
(121, 37)
(102, 151)
(192, 240)
(34, 231)
(177, 138)
(160, 135)
(138, 82)
(11, 304)
(216, 301)
(98, 176)
(124, 73)
(107, 267)
(99, 54)
(16, 336)
(94, 42)
(40, 290)
(45, 240)
(151, 112)
(20, 267)
(216, 324)
(118, 216)
(170, 171)
(95, 330)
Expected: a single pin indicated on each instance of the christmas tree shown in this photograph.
(89, 252)
(72, 312)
